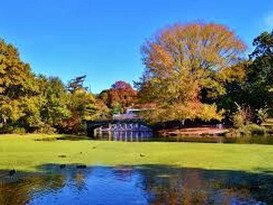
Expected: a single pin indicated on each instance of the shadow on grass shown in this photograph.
(142, 184)
(74, 137)
(63, 138)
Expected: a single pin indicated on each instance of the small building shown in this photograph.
(131, 113)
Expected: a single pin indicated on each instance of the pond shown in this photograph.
(133, 136)
(145, 184)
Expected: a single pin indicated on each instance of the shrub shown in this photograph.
(262, 115)
(238, 120)
(6, 129)
(19, 130)
(242, 116)
(255, 129)
(249, 130)
(46, 129)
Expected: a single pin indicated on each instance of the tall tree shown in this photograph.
(82, 106)
(260, 73)
(76, 84)
(19, 89)
(120, 96)
(55, 101)
(187, 67)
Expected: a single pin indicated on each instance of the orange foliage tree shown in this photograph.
(120, 96)
(187, 67)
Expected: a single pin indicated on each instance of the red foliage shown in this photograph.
(121, 93)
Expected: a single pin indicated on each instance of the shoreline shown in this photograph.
(194, 132)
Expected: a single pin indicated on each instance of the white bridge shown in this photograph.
(128, 122)
(123, 126)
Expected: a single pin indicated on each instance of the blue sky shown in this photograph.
(102, 38)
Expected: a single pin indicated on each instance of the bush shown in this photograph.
(19, 130)
(6, 129)
(238, 120)
(242, 116)
(46, 129)
(262, 115)
(249, 130)
(255, 129)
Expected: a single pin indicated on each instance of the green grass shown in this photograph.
(27, 154)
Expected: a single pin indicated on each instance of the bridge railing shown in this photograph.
(121, 125)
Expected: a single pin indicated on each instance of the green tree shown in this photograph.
(260, 73)
(55, 100)
(235, 90)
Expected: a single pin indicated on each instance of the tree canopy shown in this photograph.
(260, 73)
(120, 96)
(192, 71)
(18, 89)
(40, 103)
(186, 67)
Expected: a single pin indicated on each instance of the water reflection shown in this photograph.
(126, 136)
(134, 136)
(21, 188)
(145, 184)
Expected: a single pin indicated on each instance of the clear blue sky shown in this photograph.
(102, 38)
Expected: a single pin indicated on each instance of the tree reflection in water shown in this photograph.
(20, 189)
(125, 136)
(145, 184)
(170, 185)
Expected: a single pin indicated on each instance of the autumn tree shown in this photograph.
(187, 67)
(30, 103)
(82, 106)
(66, 108)
(120, 96)
(19, 90)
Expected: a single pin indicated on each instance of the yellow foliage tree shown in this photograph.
(186, 69)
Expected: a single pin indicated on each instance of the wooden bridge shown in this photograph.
(117, 125)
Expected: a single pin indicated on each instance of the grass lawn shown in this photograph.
(27, 154)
